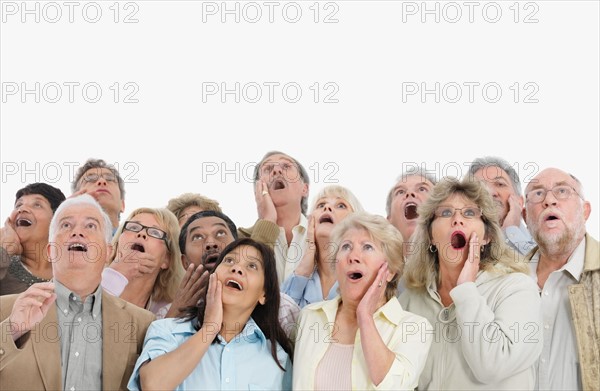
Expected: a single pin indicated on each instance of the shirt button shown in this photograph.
(226, 349)
(543, 360)
(66, 311)
(72, 388)
(546, 326)
(226, 380)
(1, 351)
(79, 319)
(76, 354)
(546, 293)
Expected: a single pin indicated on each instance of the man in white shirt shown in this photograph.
(566, 267)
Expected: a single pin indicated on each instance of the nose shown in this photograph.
(142, 234)
(236, 269)
(211, 245)
(551, 200)
(410, 194)
(457, 219)
(277, 170)
(101, 181)
(353, 256)
(328, 207)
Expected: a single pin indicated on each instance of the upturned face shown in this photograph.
(408, 194)
(205, 239)
(31, 216)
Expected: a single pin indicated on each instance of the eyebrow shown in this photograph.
(561, 183)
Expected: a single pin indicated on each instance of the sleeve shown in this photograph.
(294, 286)
(287, 376)
(159, 340)
(498, 342)
(264, 231)
(113, 282)
(411, 346)
(519, 239)
(4, 262)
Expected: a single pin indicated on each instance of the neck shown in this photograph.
(80, 286)
(288, 218)
(233, 323)
(553, 260)
(138, 291)
(35, 258)
(449, 273)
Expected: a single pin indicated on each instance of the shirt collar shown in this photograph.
(251, 333)
(302, 224)
(64, 295)
(392, 310)
(574, 265)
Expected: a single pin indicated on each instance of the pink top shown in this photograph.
(334, 372)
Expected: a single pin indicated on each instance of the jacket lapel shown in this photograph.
(46, 350)
(117, 332)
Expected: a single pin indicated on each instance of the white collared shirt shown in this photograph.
(288, 257)
(558, 366)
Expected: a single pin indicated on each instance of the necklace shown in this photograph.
(19, 271)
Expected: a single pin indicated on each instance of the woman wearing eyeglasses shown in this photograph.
(146, 252)
(474, 290)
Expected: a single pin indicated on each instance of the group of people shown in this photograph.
(465, 284)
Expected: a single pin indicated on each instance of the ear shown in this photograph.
(305, 190)
(263, 299)
(109, 250)
(164, 265)
(122, 206)
(184, 261)
(390, 277)
(587, 210)
(524, 213)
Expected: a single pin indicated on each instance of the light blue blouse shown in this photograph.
(245, 363)
(306, 290)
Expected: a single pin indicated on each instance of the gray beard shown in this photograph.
(564, 243)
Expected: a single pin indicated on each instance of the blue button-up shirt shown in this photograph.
(245, 363)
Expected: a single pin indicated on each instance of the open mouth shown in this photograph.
(410, 211)
(278, 184)
(233, 284)
(458, 240)
(551, 217)
(23, 223)
(138, 247)
(325, 219)
(355, 276)
(77, 247)
(211, 260)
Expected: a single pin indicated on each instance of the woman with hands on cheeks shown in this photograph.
(314, 278)
(360, 339)
(146, 257)
(232, 340)
(473, 288)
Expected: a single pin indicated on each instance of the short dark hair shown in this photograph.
(97, 163)
(199, 215)
(54, 196)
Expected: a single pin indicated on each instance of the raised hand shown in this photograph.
(515, 211)
(30, 308)
(375, 295)
(213, 314)
(192, 287)
(9, 239)
(307, 263)
(264, 204)
(471, 266)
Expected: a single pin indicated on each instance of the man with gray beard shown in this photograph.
(566, 267)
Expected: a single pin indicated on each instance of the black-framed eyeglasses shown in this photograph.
(108, 176)
(468, 212)
(561, 192)
(155, 233)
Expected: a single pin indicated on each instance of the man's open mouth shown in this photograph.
(77, 247)
(410, 211)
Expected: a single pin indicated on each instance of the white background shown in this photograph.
(172, 140)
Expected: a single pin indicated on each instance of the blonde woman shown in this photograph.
(314, 278)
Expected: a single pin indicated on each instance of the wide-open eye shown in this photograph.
(400, 192)
(65, 225)
(196, 237)
(562, 191)
(424, 189)
(445, 212)
(346, 247)
(228, 261)
(320, 205)
(470, 212)
(91, 225)
(368, 247)
(342, 205)
(221, 233)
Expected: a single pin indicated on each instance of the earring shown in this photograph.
(432, 248)
(482, 249)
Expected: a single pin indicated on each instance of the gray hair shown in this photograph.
(419, 171)
(493, 161)
(84, 199)
(338, 191)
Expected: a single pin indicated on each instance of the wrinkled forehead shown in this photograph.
(552, 177)
(411, 180)
(457, 200)
(80, 212)
(208, 222)
(34, 197)
(277, 159)
(246, 253)
(491, 173)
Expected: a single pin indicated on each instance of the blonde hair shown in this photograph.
(178, 204)
(167, 281)
(337, 191)
(422, 267)
(384, 234)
